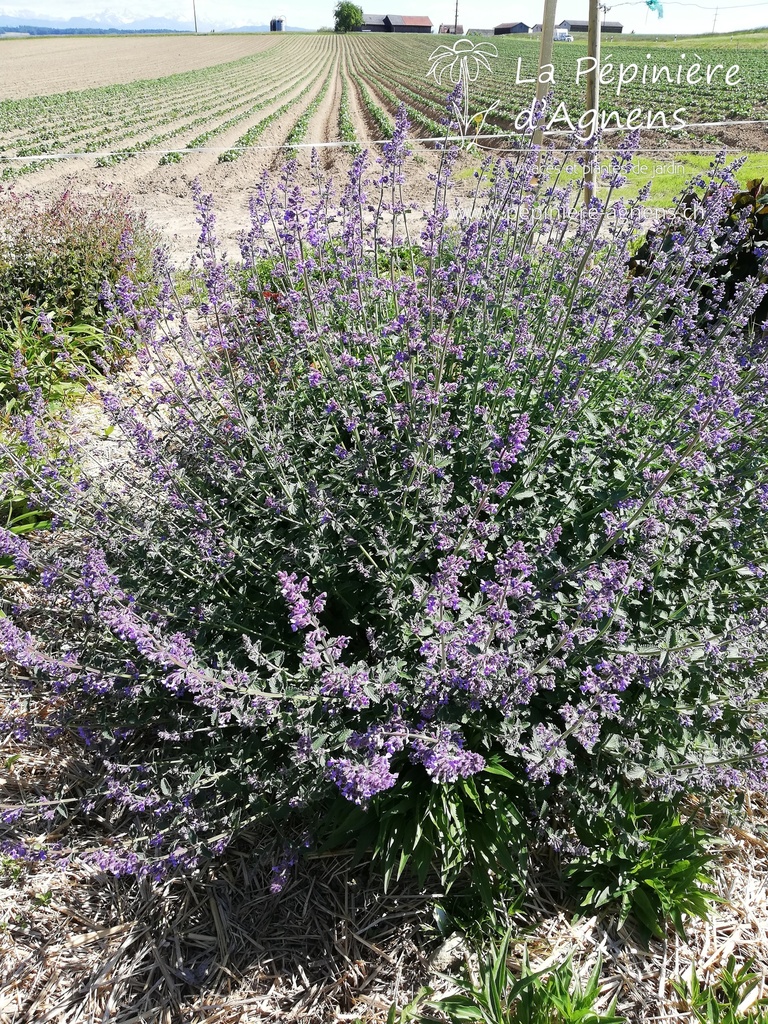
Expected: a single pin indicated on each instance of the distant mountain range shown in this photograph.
(25, 21)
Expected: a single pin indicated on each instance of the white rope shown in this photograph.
(126, 153)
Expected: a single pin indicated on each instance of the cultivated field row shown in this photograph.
(229, 105)
(398, 71)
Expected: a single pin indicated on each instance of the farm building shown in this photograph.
(583, 26)
(537, 29)
(277, 25)
(408, 23)
(451, 30)
(480, 32)
(395, 23)
(373, 23)
(511, 28)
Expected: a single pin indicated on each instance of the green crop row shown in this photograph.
(298, 133)
(347, 131)
(509, 84)
(415, 115)
(380, 119)
(211, 133)
(254, 133)
(79, 122)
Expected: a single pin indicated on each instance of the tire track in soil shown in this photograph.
(324, 126)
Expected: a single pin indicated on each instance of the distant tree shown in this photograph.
(348, 16)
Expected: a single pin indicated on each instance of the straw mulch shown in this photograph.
(220, 948)
(330, 947)
(641, 979)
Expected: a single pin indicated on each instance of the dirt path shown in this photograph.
(324, 126)
(365, 129)
(39, 67)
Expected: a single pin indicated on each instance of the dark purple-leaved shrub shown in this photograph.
(444, 519)
(56, 256)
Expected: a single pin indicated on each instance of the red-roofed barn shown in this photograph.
(395, 23)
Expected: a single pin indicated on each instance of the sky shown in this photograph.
(679, 16)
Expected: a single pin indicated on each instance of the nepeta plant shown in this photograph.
(395, 504)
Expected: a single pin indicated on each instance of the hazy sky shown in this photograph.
(678, 16)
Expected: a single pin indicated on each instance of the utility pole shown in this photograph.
(714, 20)
(593, 92)
(194, 15)
(456, 20)
(545, 57)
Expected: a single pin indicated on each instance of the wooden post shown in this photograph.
(545, 56)
(593, 91)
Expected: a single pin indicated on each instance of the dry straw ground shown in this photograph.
(331, 947)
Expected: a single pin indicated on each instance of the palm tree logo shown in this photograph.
(463, 63)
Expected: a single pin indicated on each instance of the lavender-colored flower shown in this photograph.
(444, 756)
(359, 781)
(530, 484)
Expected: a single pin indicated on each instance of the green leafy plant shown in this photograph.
(256, 131)
(54, 362)
(381, 121)
(347, 132)
(347, 16)
(547, 996)
(17, 516)
(731, 1000)
(58, 263)
(747, 215)
(645, 861)
(472, 826)
(377, 524)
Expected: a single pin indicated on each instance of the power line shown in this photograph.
(731, 7)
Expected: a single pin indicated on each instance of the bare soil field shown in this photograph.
(325, 123)
(40, 67)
